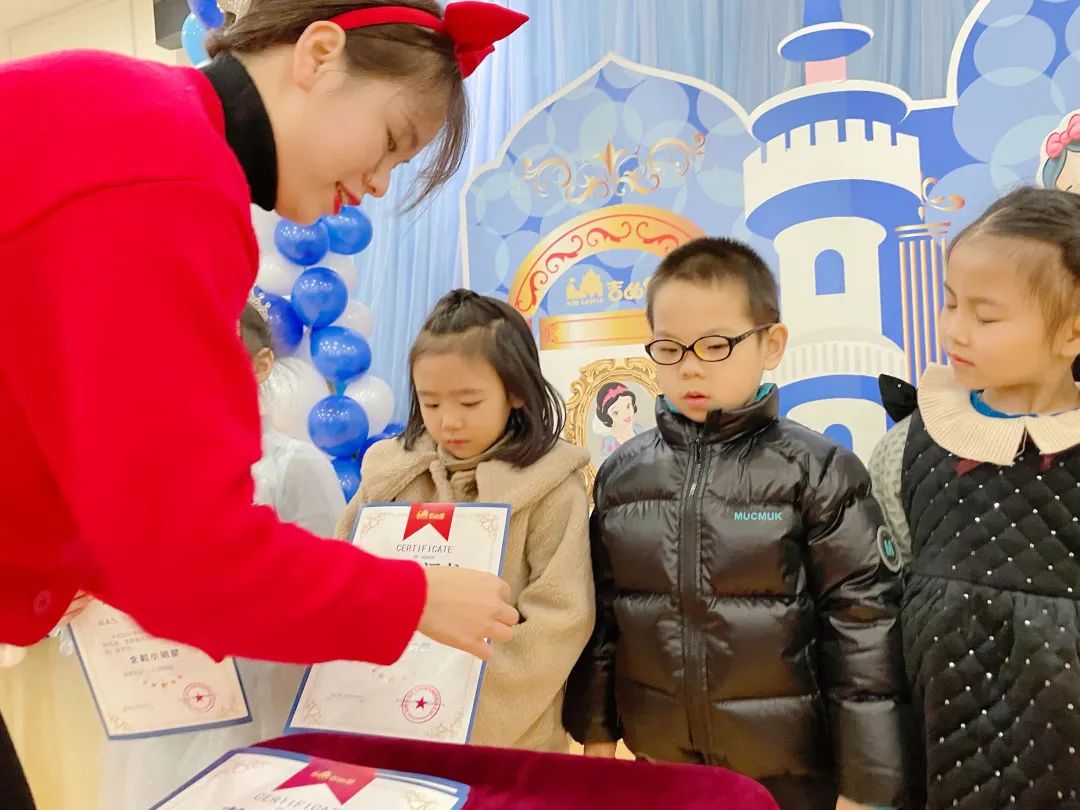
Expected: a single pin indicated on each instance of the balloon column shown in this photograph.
(205, 16)
(321, 390)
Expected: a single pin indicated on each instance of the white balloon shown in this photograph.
(289, 394)
(303, 348)
(277, 274)
(358, 318)
(343, 266)
(377, 400)
(264, 223)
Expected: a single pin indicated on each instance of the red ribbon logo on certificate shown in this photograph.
(344, 781)
(438, 516)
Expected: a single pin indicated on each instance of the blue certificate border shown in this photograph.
(291, 729)
(457, 789)
(143, 735)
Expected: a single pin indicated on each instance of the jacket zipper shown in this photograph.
(697, 703)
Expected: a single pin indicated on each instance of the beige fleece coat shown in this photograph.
(547, 564)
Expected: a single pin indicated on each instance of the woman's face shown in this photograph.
(339, 136)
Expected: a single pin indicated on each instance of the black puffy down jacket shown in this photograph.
(747, 614)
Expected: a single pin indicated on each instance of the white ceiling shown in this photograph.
(14, 13)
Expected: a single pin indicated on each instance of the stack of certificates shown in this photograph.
(146, 687)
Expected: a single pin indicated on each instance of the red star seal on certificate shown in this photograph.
(199, 697)
(421, 704)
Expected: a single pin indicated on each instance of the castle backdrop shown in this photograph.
(847, 186)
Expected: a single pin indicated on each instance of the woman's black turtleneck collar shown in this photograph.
(247, 127)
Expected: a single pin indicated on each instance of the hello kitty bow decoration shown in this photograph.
(474, 27)
(1058, 142)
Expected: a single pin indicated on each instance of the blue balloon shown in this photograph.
(338, 425)
(302, 245)
(348, 475)
(372, 441)
(193, 38)
(319, 296)
(394, 429)
(340, 354)
(285, 324)
(350, 231)
(208, 13)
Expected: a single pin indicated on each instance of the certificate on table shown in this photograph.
(145, 687)
(258, 778)
(430, 693)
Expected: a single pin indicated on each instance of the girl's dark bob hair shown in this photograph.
(478, 326)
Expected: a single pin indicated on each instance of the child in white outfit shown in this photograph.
(298, 481)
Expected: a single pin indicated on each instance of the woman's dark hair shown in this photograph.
(477, 326)
(1050, 217)
(399, 52)
(255, 331)
(604, 400)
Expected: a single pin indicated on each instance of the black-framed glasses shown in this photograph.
(710, 348)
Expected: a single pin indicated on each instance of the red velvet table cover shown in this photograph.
(503, 779)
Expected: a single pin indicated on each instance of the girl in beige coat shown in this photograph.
(484, 427)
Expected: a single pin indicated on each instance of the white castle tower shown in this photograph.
(830, 185)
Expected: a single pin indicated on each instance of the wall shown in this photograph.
(31, 27)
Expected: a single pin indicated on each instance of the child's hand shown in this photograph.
(464, 607)
(601, 750)
(11, 656)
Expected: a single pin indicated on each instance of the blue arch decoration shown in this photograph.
(833, 386)
(829, 273)
(840, 434)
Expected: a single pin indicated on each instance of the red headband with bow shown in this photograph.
(474, 27)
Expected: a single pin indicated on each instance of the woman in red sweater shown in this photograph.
(126, 226)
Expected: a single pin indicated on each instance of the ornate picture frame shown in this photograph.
(631, 377)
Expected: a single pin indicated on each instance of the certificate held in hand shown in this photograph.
(430, 693)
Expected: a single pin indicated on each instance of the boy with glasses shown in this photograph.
(747, 588)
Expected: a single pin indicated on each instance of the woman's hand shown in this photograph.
(465, 607)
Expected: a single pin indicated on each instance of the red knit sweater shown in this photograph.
(128, 410)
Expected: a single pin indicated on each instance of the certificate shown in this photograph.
(144, 687)
(430, 693)
(259, 778)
